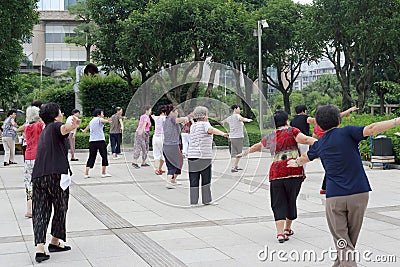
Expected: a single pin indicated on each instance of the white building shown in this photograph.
(312, 72)
(47, 45)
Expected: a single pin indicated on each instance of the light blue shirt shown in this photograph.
(96, 130)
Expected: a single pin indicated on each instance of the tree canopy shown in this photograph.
(17, 18)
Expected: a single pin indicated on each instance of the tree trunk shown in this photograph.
(88, 53)
(381, 102)
(286, 102)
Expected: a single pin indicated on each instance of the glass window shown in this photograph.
(51, 5)
(55, 37)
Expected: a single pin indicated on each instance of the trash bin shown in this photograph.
(381, 152)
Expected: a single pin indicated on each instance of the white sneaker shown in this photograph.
(115, 158)
(175, 182)
(86, 176)
(106, 175)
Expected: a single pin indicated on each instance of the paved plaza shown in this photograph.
(132, 219)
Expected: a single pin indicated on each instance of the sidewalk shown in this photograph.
(131, 219)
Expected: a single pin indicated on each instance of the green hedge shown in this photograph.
(105, 92)
(63, 96)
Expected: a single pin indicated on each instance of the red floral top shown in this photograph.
(283, 147)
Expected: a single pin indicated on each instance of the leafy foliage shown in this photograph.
(105, 92)
(17, 18)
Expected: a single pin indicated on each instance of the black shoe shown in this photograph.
(145, 165)
(136, 165)
(239, 169)
(55, 248)
(74, 159)
(234, 170)
(12, 162)
(41, 257)
(6, 163)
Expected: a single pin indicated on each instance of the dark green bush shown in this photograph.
(105, 92)
(63, 96)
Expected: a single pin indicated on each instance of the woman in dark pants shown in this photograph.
(51, 162)
(285, 182)
(172, 144)
(97, 142)
(200, 155)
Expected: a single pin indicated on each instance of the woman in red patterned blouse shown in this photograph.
(285, 182)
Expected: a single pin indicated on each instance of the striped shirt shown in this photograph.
(235, 126)
(200, 144)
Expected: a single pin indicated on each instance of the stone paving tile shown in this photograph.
(15, 259)
(200, 255)
(128, 261)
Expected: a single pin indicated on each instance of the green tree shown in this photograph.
(84, 32)
(285, 45)
(16, 22)
(325, 90)
(355, 35)
(109, 16)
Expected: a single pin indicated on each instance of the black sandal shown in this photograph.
(57, 248)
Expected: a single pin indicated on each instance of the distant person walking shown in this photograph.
(158, 140)
(48, 196)
(200, 156)
(32, 133)
(141, 143)
(8, 136)
(172, 144)
(72, 134)
(347, 184)
(116, 130)
(97, 142)
(236, 123)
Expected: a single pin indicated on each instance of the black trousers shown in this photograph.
(116, 140)
(284, 194)
(324, 183)
(200, 168)
(102, 148)
(47, 195)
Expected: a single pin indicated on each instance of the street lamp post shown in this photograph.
(41, 71)
(260, 24)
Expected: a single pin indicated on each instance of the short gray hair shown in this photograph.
(32, 114)
(200, 112)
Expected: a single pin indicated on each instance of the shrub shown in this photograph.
(63, 96)
(105, 92)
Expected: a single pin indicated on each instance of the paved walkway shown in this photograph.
(131, 219)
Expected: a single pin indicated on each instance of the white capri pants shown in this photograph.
(158, 142)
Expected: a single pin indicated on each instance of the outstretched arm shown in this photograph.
(381, 126)
(348, 111)
(304, 139)
(252, 149)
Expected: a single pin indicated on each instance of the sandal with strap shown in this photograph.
(282, 238)
(288, 232)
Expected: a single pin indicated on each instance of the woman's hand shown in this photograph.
(292, 163)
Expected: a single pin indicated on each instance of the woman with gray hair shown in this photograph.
(32, 132)
(200, 155)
